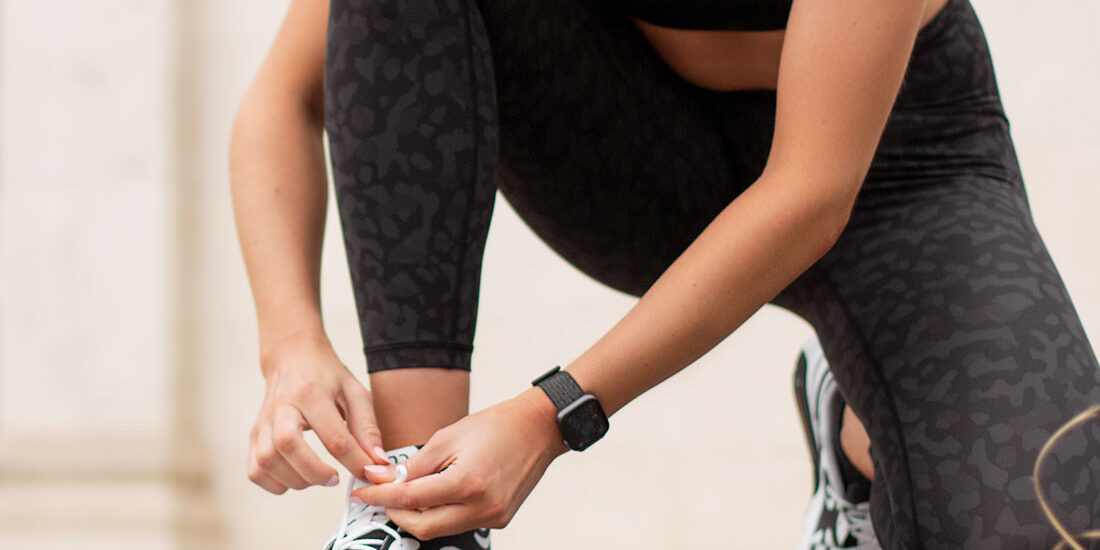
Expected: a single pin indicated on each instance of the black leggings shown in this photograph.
(948, 328)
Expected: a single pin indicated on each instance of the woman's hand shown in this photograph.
(309, 388)
(473, 473)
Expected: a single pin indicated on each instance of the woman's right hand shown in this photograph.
(309, 388)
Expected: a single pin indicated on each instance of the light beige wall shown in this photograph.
(119, 264)
(88, 151)
(730, 459)
(88, 346)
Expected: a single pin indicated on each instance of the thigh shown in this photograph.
(947, 325)
(610, 157)
(954, 340)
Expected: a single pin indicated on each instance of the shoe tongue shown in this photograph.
(357, 484)
(858, 490)
(397, 456)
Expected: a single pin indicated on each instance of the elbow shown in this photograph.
(266, 120)
(835, 224)
(833, 212)
(254, 123)
(249, 119)
(242, 137)
(822, 205)
(261, 112)
(246, 119)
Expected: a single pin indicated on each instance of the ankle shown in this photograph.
(412, 404)
(855, 445)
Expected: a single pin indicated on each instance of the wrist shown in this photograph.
(274, 350)
(288, 319)
(541, 421)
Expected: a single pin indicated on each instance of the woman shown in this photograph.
(849, 161)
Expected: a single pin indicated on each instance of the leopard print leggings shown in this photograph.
(949, 330)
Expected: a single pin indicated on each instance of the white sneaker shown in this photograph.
(366, 527)
(833, 520)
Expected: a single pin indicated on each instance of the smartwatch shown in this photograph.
(580, 416)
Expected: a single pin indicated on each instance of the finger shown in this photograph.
(425, 492)
(329, 426)
(287, 438)
(273, 463)
(440, 521)
(433, 457)
(359, 413)
(430, 459)
(257, 475)
(377, 473)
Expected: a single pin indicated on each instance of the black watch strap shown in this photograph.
(559, 386)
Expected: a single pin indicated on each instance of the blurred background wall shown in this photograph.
(128, 360)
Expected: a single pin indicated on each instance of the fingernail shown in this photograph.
(375, 469)
(380, 452)
(332, 481)
(356, 501)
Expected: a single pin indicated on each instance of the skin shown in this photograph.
(280, 209)
(704, 58)
(855, 444)
(837, 68)
(724, 60)
(840, 69)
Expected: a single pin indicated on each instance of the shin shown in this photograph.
(412, 403)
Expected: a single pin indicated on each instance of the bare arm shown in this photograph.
(840, 70)
(279, 188)
(277, 175)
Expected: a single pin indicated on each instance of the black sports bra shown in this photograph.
(733, 15)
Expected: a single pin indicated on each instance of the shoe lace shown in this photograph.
(360, 519)
(853, 520)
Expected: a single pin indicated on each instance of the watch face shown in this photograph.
(582, 423)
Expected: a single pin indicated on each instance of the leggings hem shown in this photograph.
(404, 355)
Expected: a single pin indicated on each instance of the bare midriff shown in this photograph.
(729, 60)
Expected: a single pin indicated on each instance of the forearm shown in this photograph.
(752, 250)
(841, 67)
(279, 187)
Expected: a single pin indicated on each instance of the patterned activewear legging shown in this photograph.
(948, 329)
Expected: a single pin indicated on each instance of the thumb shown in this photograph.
(431, 458)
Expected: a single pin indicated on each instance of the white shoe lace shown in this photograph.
(852, 520)
(852, 523)
(859, 526)
(360, 519)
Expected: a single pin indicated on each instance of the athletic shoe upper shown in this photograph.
(839, 512)
(366, 527)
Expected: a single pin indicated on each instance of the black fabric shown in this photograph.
(947, 326)
(740, 15)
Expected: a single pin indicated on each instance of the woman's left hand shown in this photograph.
(473, 473)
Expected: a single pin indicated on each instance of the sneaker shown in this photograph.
(839, 513)
(366, 527)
